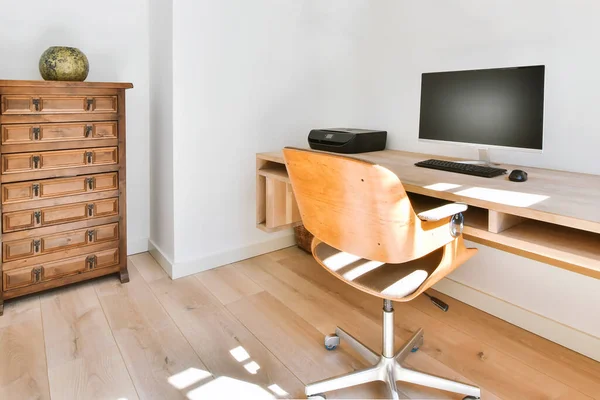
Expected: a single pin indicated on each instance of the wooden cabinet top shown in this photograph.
(65, 84)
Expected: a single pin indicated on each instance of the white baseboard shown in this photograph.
(135, 246)
(564, 335)
(227, 257)
(160, 257)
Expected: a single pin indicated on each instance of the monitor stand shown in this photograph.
(484, 158)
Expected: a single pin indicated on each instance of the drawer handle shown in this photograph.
(90, 235)
(36, 104)
(89, 156)
(90, 183)
(37, 274)
(36, 133)
(90, 209)
(38, 217)
(36, 246)
(90, 104)
(88, 130)
(36, 161)
(36, 189)
(91, 262)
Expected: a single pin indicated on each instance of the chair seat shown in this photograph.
(388, 281)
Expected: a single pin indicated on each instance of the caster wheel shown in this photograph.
(319, 396)
(331, 342)
(414, 349)
(471, 398)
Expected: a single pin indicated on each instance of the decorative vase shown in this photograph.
(59, 63)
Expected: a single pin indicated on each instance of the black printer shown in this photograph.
(347, 140)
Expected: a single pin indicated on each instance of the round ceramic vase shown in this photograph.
(59, 63)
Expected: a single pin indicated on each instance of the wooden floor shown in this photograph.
(204, 336)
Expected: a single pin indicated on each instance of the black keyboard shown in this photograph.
(468, 169)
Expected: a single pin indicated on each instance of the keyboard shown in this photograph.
(468, 169)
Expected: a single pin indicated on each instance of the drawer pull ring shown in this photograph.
(90, 104)
(90, 234)
(89, 156)
(38, 217)
(88, 130)
(91, 261)
(90, 208)
(36, 245)
(37, 274)
(36, 104)
(36, 133)
(36, 189)
(36, 161)
(90, 183)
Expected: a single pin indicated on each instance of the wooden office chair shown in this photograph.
(367, 234)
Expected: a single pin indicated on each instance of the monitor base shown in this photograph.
(484, 158)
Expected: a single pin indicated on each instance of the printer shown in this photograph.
(347, 140)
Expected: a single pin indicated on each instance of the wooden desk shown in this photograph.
(554, 217)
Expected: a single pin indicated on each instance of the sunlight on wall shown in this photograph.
(229, 388)
(188, 377)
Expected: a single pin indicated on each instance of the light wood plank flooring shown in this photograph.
(254, 329)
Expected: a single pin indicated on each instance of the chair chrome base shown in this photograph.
(387, 366)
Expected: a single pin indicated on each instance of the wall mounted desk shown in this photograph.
(554, 217)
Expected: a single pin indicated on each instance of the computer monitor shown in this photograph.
(501, 107)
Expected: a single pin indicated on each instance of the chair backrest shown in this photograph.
(355, 206)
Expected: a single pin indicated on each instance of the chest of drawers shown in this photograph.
(62, 184)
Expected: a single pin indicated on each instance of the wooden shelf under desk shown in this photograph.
(276, 207)
(568, 248)
(276, 172)
(563, 231)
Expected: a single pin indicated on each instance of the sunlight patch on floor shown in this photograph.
(188, 377)
(240, 354)
(229, 388)
(252, 367)
(277, 390)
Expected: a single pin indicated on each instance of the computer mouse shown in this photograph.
(518, 175)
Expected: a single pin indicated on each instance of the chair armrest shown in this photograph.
(442, 212)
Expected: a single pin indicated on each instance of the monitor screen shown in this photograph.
(491, 107)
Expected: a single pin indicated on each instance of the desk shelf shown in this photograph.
(277, 172)
(276, 207)
(563, 247)
(568, 248)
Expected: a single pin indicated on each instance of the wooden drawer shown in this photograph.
(36, 218)
(45, 133)
(48, 160)
(52, 188)
(52, 104)
(17, 278)
(52, 243)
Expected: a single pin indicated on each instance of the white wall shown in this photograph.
(161, 128)
(250, 77)
(409, 38)
(114, 36)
